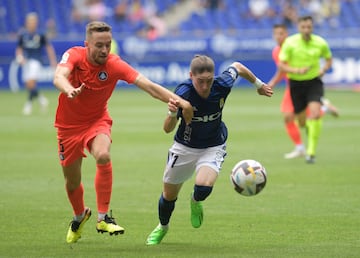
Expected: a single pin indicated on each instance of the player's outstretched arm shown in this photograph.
(277, 77)
(159, 92)
(244, 72)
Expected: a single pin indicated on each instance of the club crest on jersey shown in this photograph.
(221, 102)
(102, 76)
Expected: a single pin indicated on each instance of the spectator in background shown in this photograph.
(331, 11)
(288, 13)
(79, 10)
(212, 4)
(89, 10)
(97, 10)
(310, 7)
(29, 54)
(260, 9)
(120, 10)
(156, 27)
(136, 12)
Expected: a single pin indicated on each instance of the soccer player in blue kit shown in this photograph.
(200, 146)
(29, 54)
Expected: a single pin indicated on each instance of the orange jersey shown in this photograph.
(286, 103)
(275, 56)
(100, 81)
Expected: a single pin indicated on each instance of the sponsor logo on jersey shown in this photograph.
(207, 118)
(64, 58)
(222, 102)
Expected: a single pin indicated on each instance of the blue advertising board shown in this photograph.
(166, 61)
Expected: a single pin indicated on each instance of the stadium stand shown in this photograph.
(232, 15)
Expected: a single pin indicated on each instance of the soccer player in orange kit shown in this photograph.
(86, 77)
(280, 33)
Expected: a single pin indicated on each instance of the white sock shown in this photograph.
(300, 147)
(101, 216)
(79, 217)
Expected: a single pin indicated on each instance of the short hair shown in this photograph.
(280, 25)
(305, 18)
(31, 15)
(97, 26)
(202, 63)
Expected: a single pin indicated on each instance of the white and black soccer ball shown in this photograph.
(248, 177)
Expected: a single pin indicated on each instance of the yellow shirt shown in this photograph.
(297, 52)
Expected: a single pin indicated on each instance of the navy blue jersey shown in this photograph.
(32, 45)
(206, 128)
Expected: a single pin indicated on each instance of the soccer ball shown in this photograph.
(248, 177)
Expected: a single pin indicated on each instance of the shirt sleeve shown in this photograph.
(69, 58)
(228, 77)
(125, 71)
(326, 51)
(44, 40)
(283, 53)
(20, 41)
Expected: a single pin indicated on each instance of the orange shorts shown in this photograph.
(73, 142)
(286, 103)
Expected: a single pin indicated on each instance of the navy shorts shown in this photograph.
(303, 92)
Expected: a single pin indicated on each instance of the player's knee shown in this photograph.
(288, 119)
(103, 157)
(201, 192)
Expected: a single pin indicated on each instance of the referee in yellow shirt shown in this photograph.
(300, 58)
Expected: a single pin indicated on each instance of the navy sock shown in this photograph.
(165, 210)
(33, 94)
(202, 192)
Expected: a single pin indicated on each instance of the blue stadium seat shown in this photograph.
(235, 16)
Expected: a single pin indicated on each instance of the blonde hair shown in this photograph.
(97, 26)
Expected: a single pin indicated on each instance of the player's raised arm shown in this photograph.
(163, 94)
(244, 72)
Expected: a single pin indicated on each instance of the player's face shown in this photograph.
(98, 45)
(203, 83)
(31, 24)
(279, 35)
(305, 27)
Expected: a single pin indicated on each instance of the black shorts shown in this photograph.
(303, 92)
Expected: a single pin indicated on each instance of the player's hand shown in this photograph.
(73, 92)
(20, 59)
(265, 90)
(187, 112)
(302, 70)
(173, 105)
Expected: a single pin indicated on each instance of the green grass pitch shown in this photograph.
(304, 211)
